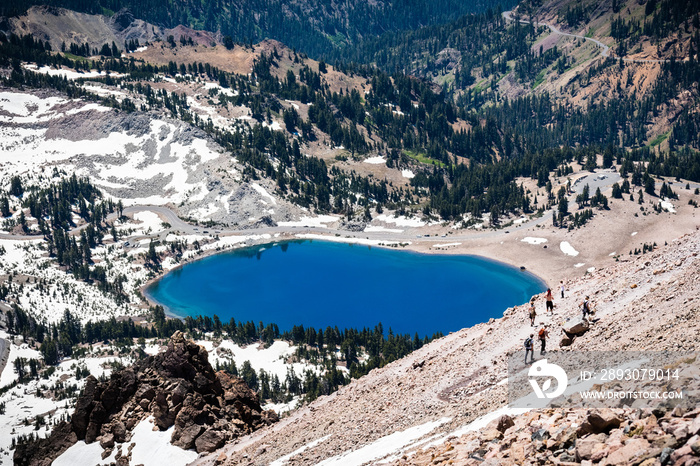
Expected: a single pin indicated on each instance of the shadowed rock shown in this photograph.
(178, 388)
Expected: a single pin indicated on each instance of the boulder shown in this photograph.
(209, 441)
(107, 441)
(682, 452)
(489, 435)
(633, 452)
(599, 421)
(504, 422)
(695, 426)
(696, 447)
(566, 340)
(83, 407)
(269, 416)
(576, 326)
(119, 431)
(540, 435)
(185, 437)
(586, 446)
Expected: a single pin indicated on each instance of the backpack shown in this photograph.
(541, 334)
(528, 343)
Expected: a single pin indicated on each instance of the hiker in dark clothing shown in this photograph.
(586, 307)
(542, 335)
(533, 313)
(529, 348)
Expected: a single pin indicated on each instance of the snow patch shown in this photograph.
(69, 74)
(446, 245)
(533, 240)
(16, 351)
(408, 174)
(375, 160)
(371, 228)
(271, 359)
(568, 249)
(263, 193)
(384, 446)
(401, 221)
(283, 460)
(666, 205)
(151, 447)
(336, 239)
(317, 222)
(274, 126)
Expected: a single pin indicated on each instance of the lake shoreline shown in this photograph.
(501, 270)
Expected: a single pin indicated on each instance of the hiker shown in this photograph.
(529, 348)
(586, 307)
(533, 313)
(542, 335)
(550, 301)
(561, 286)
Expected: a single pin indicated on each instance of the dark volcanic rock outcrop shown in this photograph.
(178, 388)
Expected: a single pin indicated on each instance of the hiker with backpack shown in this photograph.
(533, 313)
(529, 348)
(586, 307)
(542, 335)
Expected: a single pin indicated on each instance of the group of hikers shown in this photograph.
(543, 333)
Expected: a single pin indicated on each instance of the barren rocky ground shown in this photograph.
(650, 302)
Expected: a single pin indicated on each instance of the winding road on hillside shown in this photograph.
(508, 15)
(603, 180)
(410, 234)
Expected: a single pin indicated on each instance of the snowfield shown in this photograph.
(375, 160)
(151, 447)
(533, 240)
(23, 403)
(318, 222)
(568, 249)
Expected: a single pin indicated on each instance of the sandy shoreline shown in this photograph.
(610, 236)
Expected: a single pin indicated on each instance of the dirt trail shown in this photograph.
(508, 15)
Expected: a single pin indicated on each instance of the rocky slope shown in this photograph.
(141, 158)
(177, 387)
(433, 396)
(59, 25)
(611, 437)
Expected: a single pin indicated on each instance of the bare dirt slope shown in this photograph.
(58, 25)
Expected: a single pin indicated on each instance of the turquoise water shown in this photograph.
(320, 284)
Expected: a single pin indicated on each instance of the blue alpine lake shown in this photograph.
(320, 283)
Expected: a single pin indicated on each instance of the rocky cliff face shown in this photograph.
(177, 387)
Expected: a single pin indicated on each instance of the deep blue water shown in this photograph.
(320, 284)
